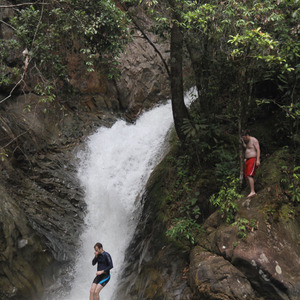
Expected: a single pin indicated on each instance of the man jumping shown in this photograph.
(252, 159)
(105, 264)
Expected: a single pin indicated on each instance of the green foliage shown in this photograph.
(52, 32)
(294, 187)
(270, 210)
(233, 45)
(292, 182)
(199, 135)
(184, 211)
(239, 43)
(226, 199)
(227, 165)
(3, 154)
(290, 125)
(201, 132)
(8, 75)
(46, 91)
(287, 212)
(257, 45)
(185, 177)
(244, 226)
(208, 143)
(185, 228)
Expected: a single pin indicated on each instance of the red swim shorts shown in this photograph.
(250, 167)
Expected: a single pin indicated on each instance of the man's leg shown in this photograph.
(92, 291)
(99, 287)
(251, 185)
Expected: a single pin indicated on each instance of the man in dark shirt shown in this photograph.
(103, 271)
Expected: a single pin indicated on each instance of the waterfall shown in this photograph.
(113, 171)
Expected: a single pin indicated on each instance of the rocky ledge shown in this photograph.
(256, 257)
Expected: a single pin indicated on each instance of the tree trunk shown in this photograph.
(180, 111)
(197, 65)
(241, 148)
(243, 111)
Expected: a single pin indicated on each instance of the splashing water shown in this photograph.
(113, 171)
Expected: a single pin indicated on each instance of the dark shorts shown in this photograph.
(102, 279)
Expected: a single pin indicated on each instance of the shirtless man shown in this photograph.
(252, 159)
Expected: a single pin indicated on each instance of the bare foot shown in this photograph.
(251, 195)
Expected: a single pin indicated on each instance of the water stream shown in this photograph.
(114, 169)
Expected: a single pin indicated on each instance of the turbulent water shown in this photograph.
(113, 171)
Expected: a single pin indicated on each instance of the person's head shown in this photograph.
(98, 247)
(246, 135)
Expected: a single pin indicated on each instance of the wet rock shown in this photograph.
(212, 277)
(268, 256)
(156, 269)
(23, 257)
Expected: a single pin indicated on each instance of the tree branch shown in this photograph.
(17, 84)
(14, 139)
(23, 4)
(152, 44)
(26, 63)
(148, 39)
(38, 25)
(8, 25)
(25, 53)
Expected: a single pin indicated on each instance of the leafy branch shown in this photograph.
(225, 199)
(23, 4)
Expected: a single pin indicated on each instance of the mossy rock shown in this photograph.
(271, 170)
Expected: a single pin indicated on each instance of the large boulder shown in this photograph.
(214, 278)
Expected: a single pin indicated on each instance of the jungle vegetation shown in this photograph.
(245, 61)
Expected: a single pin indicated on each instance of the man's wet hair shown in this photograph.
(99, 245)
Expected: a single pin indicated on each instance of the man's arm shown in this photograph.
(95, 259)
(256, 145)
(109, 262)
(243, 143)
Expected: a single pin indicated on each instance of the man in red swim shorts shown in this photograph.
(252, 159)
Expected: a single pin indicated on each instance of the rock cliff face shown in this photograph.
(144, 77)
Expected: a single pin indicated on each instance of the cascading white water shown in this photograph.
(113, 171)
